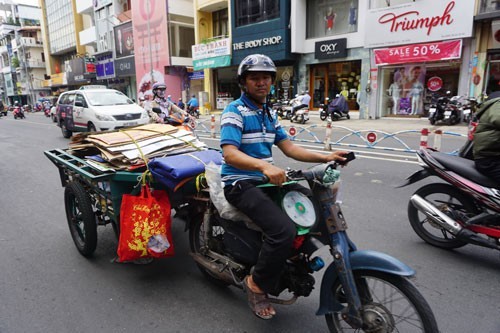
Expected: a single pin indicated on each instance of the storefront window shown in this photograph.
(489, 6)
(328, 80)
(251, 11)
(331, 17)
(493, 74)
(387, 3)
(410, 89)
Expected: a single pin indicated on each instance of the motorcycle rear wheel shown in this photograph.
(391, 303)
(445, 197)
(199, 245)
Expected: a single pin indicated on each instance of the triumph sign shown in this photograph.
(417, 22)
(331, 49)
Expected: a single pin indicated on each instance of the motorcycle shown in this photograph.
(46, 110)
(194, 111)
(338, 108)
(323, 109)
(361, 289)
(464, 210)
(18, 113)
(300, 116)
(469, 109)
(280, 108)
(437, 108)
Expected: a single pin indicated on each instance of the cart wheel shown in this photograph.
(81, 218)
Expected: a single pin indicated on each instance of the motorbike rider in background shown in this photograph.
(168, 109)
(487, 139)
(180, 104)
(192, 104)
(305, 98)
(249, 129)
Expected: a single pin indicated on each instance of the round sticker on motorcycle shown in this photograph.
(435, 83)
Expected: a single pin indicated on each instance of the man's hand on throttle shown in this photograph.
(277, 176)
(337, 156)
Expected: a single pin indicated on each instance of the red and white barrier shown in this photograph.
(328, 135)
(438, 134)
(424, 135)
(212, 126)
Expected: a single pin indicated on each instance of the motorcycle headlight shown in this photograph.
(104, 117)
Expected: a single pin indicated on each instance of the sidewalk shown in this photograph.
(385, 124)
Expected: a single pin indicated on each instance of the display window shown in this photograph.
(327, 80)
(410, 89)
(331, 17)
(493, 74)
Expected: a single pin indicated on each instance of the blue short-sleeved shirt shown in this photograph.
(248, 128)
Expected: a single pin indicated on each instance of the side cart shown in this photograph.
(91, 197)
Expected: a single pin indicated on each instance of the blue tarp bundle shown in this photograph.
(172, 170)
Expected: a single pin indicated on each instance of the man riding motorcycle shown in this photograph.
(248, 131)
(168, 109)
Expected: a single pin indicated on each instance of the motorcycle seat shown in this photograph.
(464, 167)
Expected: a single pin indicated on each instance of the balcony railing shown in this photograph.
(26, 42)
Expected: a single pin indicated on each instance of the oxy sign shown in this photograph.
(335, 48)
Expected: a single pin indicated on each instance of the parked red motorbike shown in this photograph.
(18, 112)
(465, 210)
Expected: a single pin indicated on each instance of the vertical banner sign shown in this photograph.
(151, 42)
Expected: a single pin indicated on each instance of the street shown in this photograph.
(47, 286)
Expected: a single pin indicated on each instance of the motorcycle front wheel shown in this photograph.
(390, 303)
(200, 245)
(450, 201)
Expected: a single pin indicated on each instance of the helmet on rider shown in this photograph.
(159, 89)
(255, 63)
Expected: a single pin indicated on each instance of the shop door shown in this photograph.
(319, 84)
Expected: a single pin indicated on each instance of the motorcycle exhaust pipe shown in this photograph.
(436, 215)
(449, 224)
(214, 269)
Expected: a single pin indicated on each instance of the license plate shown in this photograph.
(130, 123)
(447, 113)
(466, 111)
(432, 110)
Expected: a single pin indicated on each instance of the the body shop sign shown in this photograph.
(419, 22)
(419, 52)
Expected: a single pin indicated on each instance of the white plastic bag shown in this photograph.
(225, 209)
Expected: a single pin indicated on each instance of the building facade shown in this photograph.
(22, 56)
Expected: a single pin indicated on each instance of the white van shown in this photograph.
(97, 109)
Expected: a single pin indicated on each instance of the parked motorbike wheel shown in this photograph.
(452, 120)
(447, 199)
(335, 116)
(391, 303)
(66, 133)
(432, 121)
(199, 245)
(81, 218)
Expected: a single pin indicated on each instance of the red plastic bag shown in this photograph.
(145, 226)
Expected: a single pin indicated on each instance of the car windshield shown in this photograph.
(106, 98)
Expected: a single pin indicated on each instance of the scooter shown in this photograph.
(279, 107)
(464, 210)
(300, 116)
(361, 290)
(445, 109)
(324, 110)
(46, 110)
(469, 109)
(18, 113)
(338, 109)
(194, 111)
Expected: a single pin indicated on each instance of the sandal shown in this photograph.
(258, 302)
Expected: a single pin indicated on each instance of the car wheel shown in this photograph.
(91, 127)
